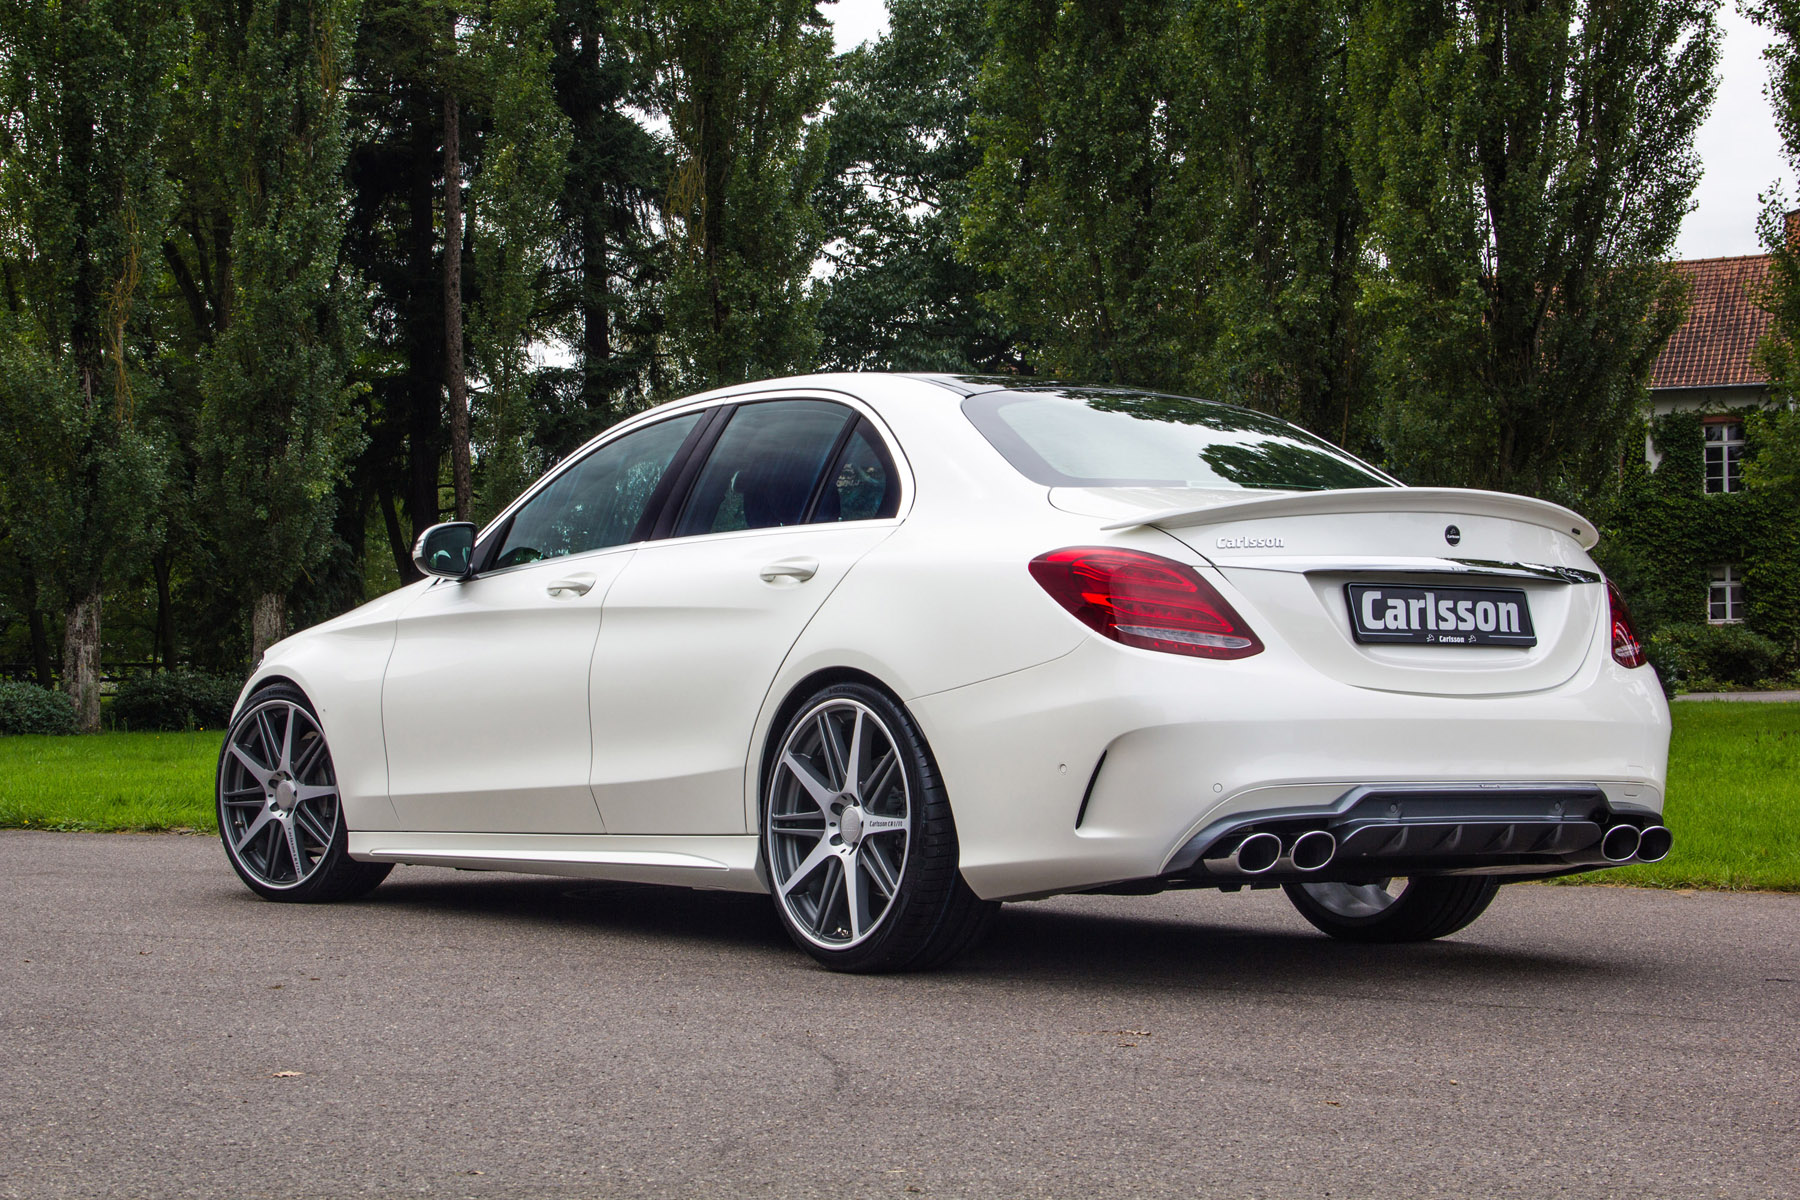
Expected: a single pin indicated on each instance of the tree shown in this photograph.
(1527, 166)
(84, 86)
(893, 194)
(276, 425)
(1165, 198)
(738, 81)
(1777, 467)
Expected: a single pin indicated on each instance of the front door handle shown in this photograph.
(579, 585)
(797, 569)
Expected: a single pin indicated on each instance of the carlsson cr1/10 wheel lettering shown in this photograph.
(280, 816)
(898, 648)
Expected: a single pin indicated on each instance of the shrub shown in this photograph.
(173, 701)
(28, 708)
(1700, 658)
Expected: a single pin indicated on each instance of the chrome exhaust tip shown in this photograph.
(1257, 853)
(1654, 843)
(1620, 843)
(1312, 850)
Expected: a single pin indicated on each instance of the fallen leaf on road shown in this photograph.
(286, 1074)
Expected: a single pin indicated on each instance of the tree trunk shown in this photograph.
(455, 383)
(165, 611)
(81, 661)
(40, 639)
(268, 624)
(403, 563)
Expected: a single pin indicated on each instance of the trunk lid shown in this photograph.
(1293, 557)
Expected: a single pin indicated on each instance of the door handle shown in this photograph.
(579, 585)
(797, 569)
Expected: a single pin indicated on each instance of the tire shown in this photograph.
(280, 817)
(857, 840)
(1423, 909)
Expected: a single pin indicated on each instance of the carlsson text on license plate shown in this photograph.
(1442, 616)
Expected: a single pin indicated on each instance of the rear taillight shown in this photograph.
(1145, 600)
(1627, 650)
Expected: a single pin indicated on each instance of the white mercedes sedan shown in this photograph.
(896, 648)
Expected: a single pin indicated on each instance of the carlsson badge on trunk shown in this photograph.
(1452, 534)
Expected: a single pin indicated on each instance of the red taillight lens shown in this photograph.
(1145, 600)
(1627, 650)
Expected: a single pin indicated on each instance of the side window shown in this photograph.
(861, 485)
(597, 502)
(764, 467)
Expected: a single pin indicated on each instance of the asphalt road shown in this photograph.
(163, 1033)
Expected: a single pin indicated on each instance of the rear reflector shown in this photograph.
(1625, 645)
(1145, 600)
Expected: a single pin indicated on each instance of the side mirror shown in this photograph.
(445, 549)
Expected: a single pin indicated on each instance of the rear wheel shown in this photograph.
(1394, 910)
(280, 815)
(858, 839)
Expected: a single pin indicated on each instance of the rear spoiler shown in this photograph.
(1459, 501)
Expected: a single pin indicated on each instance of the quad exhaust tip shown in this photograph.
(1654, 843)
(1621, 843)
(1312, 850)
(1257, 853)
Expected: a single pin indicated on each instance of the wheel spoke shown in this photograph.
(853, 756)
(880, 776)
(820, 853)
(856, 897)
(304, 792)
(266, 732)
(820, 791)
(314, 829)
(308, 756)
(287, 741)
(292, 838)
(834, 750)
(256, 769)
(255, 827)
(874, 860)
(831, 894)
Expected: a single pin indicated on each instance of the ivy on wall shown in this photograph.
(1665, 533)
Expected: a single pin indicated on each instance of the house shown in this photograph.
(1694, 546)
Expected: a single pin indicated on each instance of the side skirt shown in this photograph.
(724, 863)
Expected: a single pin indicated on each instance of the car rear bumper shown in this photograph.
(1112, 765)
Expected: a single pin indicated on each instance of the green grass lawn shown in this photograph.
(1734, 792)
(109, 781)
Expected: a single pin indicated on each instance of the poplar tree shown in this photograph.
(738, 80)
(893, 194)
(277, 423)
(84, 87)
(1776, 465)
(1528, 165)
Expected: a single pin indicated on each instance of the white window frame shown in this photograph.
(1725, 595)
(1726, 453)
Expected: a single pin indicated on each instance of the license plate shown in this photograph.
(1440, 616)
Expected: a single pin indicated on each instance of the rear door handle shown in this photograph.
(797, 569)
(579, 585)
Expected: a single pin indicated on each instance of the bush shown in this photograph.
(28, 708)
(173, 701)
(1705, 658)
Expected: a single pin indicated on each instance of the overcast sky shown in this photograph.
(1738, 145)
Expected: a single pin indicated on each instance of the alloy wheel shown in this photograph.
(1357, 900)
(839, 824)
(278, 794)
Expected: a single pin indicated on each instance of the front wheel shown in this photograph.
(858, 839)
(1394, 910)
(280, 815)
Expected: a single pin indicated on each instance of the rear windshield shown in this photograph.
(1070, 437)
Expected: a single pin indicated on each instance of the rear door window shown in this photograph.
(766, 466)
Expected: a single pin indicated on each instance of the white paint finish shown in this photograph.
(694, 652)
(693, 634)
(339, 665)
(724, 863)
(485, 703)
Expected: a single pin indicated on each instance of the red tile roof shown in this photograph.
(1714, 346)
